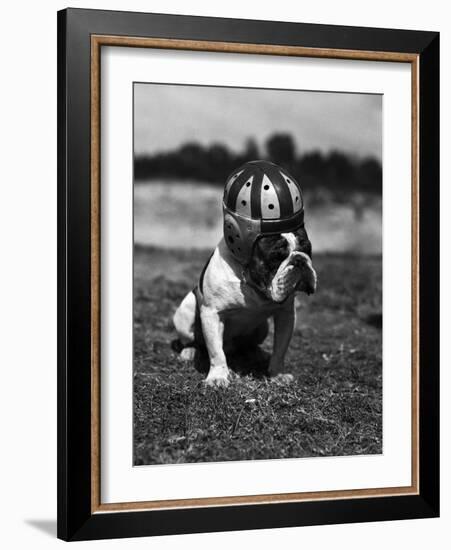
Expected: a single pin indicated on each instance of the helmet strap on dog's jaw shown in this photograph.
(249, 281)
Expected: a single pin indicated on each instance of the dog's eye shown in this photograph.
(273, 249)
(281, 246)
(278, 254)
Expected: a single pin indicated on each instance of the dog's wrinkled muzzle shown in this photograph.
(295, 274)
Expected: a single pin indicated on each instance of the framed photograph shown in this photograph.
(248, 274)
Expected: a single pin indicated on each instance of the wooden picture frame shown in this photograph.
(81, 35)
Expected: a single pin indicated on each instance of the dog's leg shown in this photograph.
(284, 321)
(184, 323)
(213, 329)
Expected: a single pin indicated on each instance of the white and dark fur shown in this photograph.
(232, 305)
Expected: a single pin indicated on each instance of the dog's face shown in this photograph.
(281, 265)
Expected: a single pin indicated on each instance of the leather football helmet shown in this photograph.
(260, 198)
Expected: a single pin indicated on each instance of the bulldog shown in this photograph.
(230, 307)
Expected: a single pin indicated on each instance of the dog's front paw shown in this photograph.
(218, 377)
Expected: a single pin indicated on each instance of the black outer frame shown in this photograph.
(75, 520)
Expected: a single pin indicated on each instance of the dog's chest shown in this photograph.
(241, 307)
(247, 313)
(244, 320)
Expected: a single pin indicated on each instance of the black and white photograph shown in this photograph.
(257, 274)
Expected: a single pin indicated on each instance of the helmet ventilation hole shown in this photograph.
(266, 187)
(288, 181)
(248, 183)
(271, 206)
(230, 239)
(297, 198)
(243, 203)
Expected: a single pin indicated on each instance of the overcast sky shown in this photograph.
(167, 116)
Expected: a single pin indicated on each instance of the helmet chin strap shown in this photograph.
(263, 293)
(249, 281)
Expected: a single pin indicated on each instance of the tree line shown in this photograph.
(337, 173)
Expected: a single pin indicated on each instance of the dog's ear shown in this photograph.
(308, 279)
(307, 282)
(304, 242)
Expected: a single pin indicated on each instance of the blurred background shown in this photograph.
(187, 139)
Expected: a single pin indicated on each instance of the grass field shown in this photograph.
(334, 406)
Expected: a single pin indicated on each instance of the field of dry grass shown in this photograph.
(334, 406)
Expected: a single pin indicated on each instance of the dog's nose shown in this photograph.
(297, 259)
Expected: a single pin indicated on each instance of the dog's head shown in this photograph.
(282, 264)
